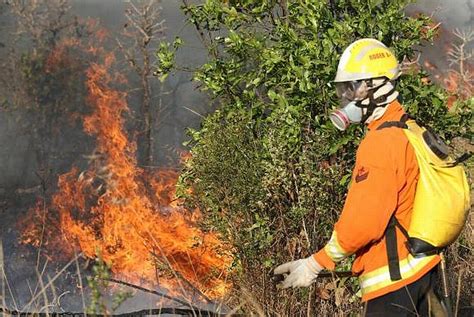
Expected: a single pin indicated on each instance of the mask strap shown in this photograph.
(383, 97)
(369, 108)
(373, 103)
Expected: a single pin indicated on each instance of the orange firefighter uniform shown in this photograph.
(383, 183)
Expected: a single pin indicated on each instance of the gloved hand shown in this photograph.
(301, 273)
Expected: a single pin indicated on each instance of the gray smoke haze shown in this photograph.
(170, 127)
(181, 101)
(452, 15)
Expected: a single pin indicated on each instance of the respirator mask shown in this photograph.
(362, 101)
(350, 95)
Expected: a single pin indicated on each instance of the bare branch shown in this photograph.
(143, 29)
(459, 58)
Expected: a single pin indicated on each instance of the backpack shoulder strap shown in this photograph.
(399, 124)
(391, 246)
(392, 253)
(390, 232)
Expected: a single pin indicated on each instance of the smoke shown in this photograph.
(451, 15)
(181, 102)
(180, 98)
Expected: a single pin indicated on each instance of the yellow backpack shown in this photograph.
(442, 198)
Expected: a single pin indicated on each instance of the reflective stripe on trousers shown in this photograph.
(380, 278)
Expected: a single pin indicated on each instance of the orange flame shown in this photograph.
(126, 214)
(457, 87)
(457, 78)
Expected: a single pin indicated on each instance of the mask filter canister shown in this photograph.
(341, 118)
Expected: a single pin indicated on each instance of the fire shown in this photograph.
(453, 68)
(125, 214)
(457, 84)
(451, 82)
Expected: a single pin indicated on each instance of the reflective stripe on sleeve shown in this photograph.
(334, 249)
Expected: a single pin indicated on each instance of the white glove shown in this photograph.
(301, 273)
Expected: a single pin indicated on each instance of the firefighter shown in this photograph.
(383, 184)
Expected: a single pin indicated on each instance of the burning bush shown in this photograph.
(112, 208)
(123, 213)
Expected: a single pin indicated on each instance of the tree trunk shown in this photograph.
(147, 112)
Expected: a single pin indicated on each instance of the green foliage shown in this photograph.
(165, 55)
(226, 165)
(428, 103)
(99, 283)
(268, 169)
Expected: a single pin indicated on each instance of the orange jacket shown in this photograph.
(383, 182)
